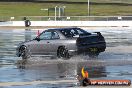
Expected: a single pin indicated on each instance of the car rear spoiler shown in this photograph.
(98, 33)
(89, 34)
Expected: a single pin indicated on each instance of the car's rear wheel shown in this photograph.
(25, 54)
(63, 53)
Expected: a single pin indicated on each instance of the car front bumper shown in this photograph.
(18, 52)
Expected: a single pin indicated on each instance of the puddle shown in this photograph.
(40, 72)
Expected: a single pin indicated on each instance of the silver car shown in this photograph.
(63, 43)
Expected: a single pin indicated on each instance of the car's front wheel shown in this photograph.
(62, 52)
(25, 54)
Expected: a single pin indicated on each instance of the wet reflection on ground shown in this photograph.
(114, 63)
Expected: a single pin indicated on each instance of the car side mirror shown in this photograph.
(37, 38)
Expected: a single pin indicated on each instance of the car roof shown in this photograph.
(62, 28)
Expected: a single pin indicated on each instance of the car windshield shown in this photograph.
(73, 32)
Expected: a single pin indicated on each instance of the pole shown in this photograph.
(59, 12)
(64, 10)
(55, 12)
(48, 12)
(88, 8)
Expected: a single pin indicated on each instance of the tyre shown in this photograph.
(25, 54)
(62, 52)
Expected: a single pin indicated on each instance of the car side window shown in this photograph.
(45, 35)
(79, 32)
(55, 35)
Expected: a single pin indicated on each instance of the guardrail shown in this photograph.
(68, 18)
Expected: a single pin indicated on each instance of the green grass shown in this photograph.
(33, 9)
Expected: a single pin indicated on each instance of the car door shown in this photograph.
(39, 45)
(44, 43)
(53, 43)
(49, 43)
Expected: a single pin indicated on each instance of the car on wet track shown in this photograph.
(63, 43)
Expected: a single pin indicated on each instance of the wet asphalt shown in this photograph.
(43, 72)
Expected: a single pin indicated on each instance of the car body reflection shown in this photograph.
(59, 70)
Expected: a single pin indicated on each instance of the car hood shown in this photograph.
(24, 42)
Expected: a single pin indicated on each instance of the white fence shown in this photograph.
(74, 23)
(90, 21)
